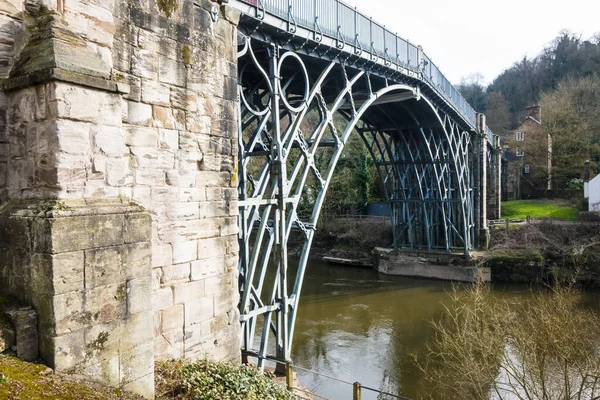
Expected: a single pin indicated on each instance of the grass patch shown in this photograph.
(23, 380)
(539, 209)
(207, 380)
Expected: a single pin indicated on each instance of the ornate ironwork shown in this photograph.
(296, 115)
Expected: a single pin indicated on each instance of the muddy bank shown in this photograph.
(527, 253)
(546, 251)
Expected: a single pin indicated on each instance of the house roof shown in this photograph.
(530, 118)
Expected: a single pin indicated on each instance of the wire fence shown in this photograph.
(357, 388)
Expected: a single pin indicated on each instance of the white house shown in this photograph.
(591, 191)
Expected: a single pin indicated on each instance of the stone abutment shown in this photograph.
(118, 185)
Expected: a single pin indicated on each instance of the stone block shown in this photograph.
(212, 179)
(67, 272)
(224, 301)
(198, 123)
(150, 177)
(136, 330)
(118, 172)
(144, 63)
(137, 363)
(169, 345)
(188, 292)
(139, 114)
(73, 136)
(181, 178)
(219, 284)
(12, 7)
(192, 194)
(184, 251)
(172, 318)
(141, 194)
(164, 195)
(202, 269)
(91, 231)
(185, 211)
(91, 21)
(165, 117)
(229, 226)
(171, 71)
(211, 247)
(66, 351)
(172, 274)
(190, 229)
(151, 158)
(105, 369)
(109, 141)
(143, 386)
(168, 139)
(84, 104)
(137, 260)
(184, 99)
(141, 137)
(7, 334)
(139, 295)
(156, 93)
(161, 255)
(213, 209)
(103, 341)
(103, 266)
(25, 323)
(162, 298)
(201, 309)
(137, 228)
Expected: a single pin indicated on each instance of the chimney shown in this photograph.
(534, 112)
(586, 171)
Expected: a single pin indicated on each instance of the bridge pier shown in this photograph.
(481, 183)
(494, 187)
(118, 199)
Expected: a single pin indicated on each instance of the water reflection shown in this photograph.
(358, 325)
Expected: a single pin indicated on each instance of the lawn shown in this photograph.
(538, 209)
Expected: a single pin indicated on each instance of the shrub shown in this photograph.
(206, 380)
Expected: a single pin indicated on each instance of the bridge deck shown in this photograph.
(339, 28)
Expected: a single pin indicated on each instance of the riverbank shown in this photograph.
(521, 253)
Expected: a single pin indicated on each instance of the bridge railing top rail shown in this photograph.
(342, 22)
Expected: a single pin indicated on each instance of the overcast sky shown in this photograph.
(469, 36)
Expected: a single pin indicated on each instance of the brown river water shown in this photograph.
(358, 325)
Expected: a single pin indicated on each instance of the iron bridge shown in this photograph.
(312, 73)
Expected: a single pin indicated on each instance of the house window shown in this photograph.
(526, 168)
(520, 136)
(520, 152)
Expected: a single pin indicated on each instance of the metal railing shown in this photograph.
(339, 21)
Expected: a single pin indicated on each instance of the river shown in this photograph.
(358, 325)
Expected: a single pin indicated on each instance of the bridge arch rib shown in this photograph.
(296, 115)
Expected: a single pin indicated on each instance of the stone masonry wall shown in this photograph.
(169, 144)
(11, 40)
(93, 294)
(179, 137)
(110, 100)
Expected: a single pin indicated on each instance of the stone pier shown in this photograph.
(118, 185)
(494, 187)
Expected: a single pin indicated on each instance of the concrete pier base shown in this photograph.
(442, 266)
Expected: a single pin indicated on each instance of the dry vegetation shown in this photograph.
(546, 347)
(570, 250)
(351, 237)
